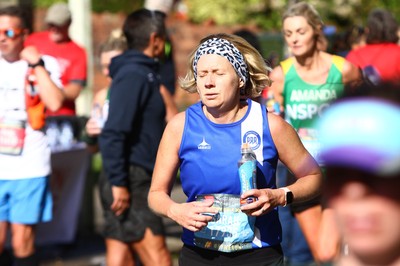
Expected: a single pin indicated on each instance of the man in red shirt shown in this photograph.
(379, 58)
(71, 57)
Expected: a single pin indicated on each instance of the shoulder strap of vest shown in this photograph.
(338, 61)
(286, 64)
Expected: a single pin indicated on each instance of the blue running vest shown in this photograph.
(209, 155)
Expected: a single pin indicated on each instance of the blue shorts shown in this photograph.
(26, 201)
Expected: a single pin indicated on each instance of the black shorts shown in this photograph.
(130, 226)
(195, 256)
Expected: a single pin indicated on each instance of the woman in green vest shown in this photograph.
(304, 84)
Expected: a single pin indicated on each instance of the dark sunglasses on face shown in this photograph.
(11, 33)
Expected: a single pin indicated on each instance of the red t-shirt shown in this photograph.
(72, 61)
(384, 57)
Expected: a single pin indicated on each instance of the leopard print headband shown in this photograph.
(226, 49)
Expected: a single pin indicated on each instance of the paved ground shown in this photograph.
(89, 250)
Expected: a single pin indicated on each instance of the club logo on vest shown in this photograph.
(252, 138)
(204, 145)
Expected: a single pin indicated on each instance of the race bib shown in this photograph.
(12, 136)
(230, 229)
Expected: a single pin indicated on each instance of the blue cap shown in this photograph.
(362, 133)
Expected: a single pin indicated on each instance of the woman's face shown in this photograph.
(217, 81)
(299, 35)
(368, 212)
(105, 60)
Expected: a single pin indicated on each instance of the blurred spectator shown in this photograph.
(167, 62)
(73, 64)
(379, 58)
(398, 35)
(250, 37)
(167, 66)
(356, 37)
(114, 46)
(29, 82)
(71, 57)
(129, 142)
(273, 59)
(164, 6)
(298, 85)
(361, 152)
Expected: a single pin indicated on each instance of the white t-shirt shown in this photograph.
(35, 158)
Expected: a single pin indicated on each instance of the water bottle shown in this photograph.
(52, 133)
(31, 83)
(97, 115)
(247, 172)
(105, 110)
(66, 135)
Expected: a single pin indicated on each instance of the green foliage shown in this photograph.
(222, 12)
(268, 19)
(113, 6)
(125, 6)
(46, 3)
(267, 13)
(264, 13)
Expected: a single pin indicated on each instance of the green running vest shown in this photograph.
(305, 102)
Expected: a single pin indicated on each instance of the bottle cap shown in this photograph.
(246, 148)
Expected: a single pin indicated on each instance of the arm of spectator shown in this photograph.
(72, 90)
(170, 106)
(121, 198)
(128, 92)
(351, 74)
(92, 127)
(78, 75)
(47, 78)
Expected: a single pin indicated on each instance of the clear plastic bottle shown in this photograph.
(247, 171)
(66, 135)
(52, 133)
(97, 114)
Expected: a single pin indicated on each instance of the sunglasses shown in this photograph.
(11, 33)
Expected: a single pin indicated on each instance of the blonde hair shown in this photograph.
(257, 68)
(115, 42)
(303, 9)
